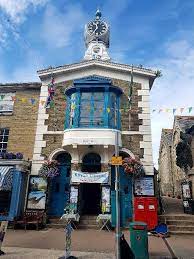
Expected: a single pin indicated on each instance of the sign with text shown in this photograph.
(144, 186)
(80, 177)
(116, 160)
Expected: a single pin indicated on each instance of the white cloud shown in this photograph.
(59, 28)
(175, 88)
(17, 9)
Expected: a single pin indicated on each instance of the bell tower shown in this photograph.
(96, 38)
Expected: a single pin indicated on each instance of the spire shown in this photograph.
(98, 14)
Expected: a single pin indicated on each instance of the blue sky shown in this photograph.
(35, 34)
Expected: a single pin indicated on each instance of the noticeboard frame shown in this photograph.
(151, 178)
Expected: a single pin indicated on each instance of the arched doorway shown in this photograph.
(91, 163)
(90, 193)
(60, 186)
(126, 192)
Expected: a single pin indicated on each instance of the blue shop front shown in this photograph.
(13, 186)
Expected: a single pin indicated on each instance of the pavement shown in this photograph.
(50, 243)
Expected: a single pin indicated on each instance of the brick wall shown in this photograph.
(22, 123)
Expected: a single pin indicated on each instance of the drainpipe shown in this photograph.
(171, 169)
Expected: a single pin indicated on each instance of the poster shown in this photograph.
(74, 194)
(3, 229)
(80, 177)
(144, 186)
(37, 193)
(105, 199)
(186, 190)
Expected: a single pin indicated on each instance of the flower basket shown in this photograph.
(133, 167)
(49, 169)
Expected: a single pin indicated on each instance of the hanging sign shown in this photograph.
(116, 160)
(3, 229)
(80, 177)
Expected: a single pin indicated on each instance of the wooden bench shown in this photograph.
(31, 217)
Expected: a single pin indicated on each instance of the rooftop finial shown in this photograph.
(98, 14)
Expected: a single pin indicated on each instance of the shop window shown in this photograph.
(4, 135)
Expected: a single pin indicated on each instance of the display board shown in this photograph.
(144, 186)
(105, 206)
(37, 193)
(186, 190)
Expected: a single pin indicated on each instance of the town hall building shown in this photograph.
(82, 109)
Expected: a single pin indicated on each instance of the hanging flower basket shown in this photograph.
(49, 169)
(133, 167)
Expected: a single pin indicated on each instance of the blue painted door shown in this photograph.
(59, 191)
(126, 195)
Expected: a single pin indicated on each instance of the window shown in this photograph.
(92, 109)
(4, 134)
(6, 102)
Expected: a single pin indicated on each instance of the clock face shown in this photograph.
(97, 28)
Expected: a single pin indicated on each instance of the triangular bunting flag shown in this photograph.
(174, 110)
(153, 110)
(2, 96)
(190, 109)
(181, 110)
(33, 101)
(108, 109)
(160, 111)
(23, 100)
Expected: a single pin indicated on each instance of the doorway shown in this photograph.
(90, 194)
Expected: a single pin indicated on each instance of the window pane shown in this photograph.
(3, 139)
(86, 96)
(98, 96)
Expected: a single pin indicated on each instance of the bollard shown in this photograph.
(139, 240)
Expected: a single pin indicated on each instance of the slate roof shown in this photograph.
(184, 122)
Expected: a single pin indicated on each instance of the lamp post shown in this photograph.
(117, 190)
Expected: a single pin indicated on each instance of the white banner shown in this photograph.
(80, 177)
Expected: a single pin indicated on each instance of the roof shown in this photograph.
(99, 64)
(29, 85)
(184, 122)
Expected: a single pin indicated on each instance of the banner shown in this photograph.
(80, 177)
(105, 206)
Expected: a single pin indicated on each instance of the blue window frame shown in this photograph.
(93, 106)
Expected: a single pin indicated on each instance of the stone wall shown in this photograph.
(53, 142)
(129, 116)
(22, 123)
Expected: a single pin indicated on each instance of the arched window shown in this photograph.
(91, 162)
(63, 158)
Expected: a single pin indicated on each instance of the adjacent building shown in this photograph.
(170, 174)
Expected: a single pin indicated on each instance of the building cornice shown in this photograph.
(100, 64)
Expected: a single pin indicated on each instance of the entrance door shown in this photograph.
(60, 187)
(90, 198)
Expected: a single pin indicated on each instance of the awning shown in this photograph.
(6, 178)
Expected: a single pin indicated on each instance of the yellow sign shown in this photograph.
(116, 160)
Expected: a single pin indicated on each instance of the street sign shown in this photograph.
(116, 160)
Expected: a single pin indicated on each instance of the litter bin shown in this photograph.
(139, 239)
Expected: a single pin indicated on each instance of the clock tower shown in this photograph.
(97, 39)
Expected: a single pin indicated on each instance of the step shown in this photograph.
(88, 216)
(180, 222)
(177, 217)
(181, 232)
(87, 221)
(181, 228)
(89, 226)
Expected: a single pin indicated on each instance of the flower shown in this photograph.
(133, 166)
(49, 169)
